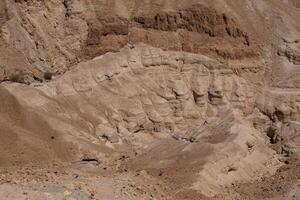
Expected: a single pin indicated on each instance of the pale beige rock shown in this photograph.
(177, 99)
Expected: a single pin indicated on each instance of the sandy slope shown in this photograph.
(183, 119)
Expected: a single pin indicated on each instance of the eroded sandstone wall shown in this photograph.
(54, 35)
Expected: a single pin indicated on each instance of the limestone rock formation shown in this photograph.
(112, 99)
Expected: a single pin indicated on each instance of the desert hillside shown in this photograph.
(150, 99)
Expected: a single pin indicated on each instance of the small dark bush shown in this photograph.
(48, 75)
(18, 77)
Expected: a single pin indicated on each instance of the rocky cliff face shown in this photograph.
(54, 35)
(197, 97)
(58, 34)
